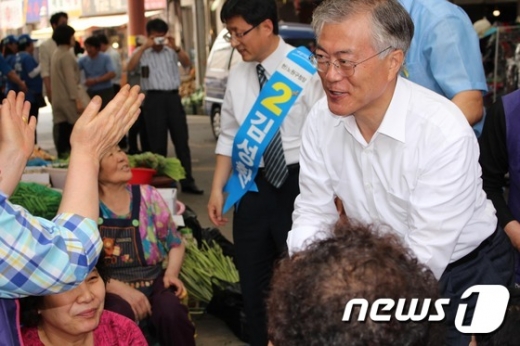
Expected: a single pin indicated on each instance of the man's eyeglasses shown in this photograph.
(237, 36)
(344, 67)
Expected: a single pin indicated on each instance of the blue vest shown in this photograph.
(8, 323)
(511, 103)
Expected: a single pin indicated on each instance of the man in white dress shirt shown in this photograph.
(395, 153)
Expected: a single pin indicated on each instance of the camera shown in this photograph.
(159, 40)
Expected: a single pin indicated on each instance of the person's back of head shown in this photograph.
(103, 39)
(311, 289)
(78, 49)
(63, 34)
(391, 24)
(58, 18)
(25, 43)
(253, 12)
(507, 334)
(156, 25)
(10, 45)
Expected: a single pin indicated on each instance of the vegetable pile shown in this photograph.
(205, 268)
(168, 166)
(38, 199)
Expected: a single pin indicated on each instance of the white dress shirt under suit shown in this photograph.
(419, 174)
(239, 100)
(263, 218)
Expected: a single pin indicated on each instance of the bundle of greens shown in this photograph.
(38, 199)
(168, 166)
(205, 268)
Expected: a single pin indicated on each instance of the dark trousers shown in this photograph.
(138, 129)
(260, 227)
(116, 88)
(61, 134)
(492, 263)
(106, 95)
(169, 320)
(163, 112)
(35, 110)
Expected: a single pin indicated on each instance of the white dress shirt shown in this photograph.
(419, 174)
(163, 69)
(242, 91)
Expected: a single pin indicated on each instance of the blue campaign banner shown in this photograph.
(264, 119)
(32, 11)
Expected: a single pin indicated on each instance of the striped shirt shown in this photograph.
(40, 257)
(163, 67)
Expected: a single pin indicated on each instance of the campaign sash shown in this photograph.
(264, 119)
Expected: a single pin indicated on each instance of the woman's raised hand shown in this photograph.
(96, 131)
(16, 128)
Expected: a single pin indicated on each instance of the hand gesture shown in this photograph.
(23, 87)
(16, 128)
(137, 300)
(97, 132)
(512, 230)
(149, 42)
(90, 82)
(215, 205)
(170, 41)
(79, 106)
(172, 280)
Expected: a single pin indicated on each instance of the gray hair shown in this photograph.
(391, 24)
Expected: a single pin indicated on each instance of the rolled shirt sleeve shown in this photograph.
(40, 257)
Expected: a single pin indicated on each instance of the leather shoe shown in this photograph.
(191, 188)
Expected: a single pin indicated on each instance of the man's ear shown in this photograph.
(267, 25)
(396, 61)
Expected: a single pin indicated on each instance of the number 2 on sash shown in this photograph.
(272, 102)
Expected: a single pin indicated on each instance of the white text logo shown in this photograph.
(488, 315)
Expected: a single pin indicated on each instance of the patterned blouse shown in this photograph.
(157, 229)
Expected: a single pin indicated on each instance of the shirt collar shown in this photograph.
(394, 121)
(275, 58)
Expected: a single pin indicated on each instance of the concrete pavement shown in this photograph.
(210, 330)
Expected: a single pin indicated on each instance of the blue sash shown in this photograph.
(264, 119)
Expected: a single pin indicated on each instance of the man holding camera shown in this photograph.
(157, 59)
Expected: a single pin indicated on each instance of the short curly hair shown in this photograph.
(507, 333)
(309, 291)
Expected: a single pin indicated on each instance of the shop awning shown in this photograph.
(83, 24)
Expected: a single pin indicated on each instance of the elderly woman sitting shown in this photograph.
(76, 317)
(139, 235)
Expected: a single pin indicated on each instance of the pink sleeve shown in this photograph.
(115, 329)
(30, 337)
(131, 334)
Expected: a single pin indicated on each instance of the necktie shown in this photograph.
(275, 167)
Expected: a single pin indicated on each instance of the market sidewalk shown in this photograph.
(210, 330)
